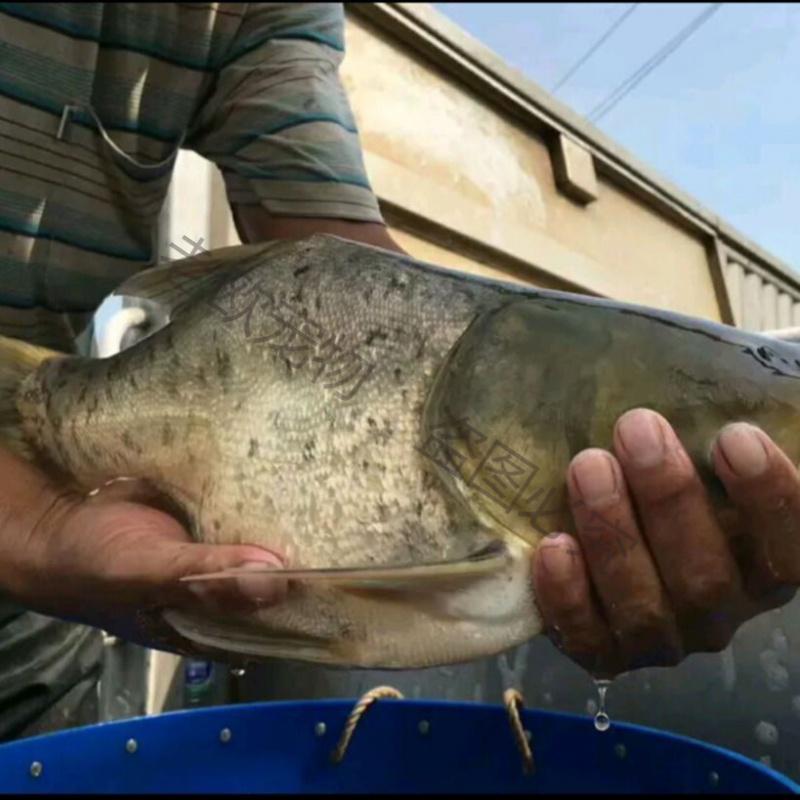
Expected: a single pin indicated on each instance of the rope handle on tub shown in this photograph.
(357, 713)
(512, 699)
(514, 702)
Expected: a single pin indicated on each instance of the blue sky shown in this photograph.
(720, 117)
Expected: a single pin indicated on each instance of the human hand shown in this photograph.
(114, 562)
(654, 573)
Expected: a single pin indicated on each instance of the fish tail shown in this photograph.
(18, 360)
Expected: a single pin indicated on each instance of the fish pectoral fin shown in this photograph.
(399, 577)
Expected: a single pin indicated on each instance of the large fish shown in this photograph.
(399, 432)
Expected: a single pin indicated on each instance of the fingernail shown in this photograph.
(594, 477)
(556, 558)
(642, 437)
(203, 592)
(743, 448)
(263, 588)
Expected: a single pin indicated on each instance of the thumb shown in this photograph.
(236, 593)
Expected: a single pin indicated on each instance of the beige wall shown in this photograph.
(436, 150)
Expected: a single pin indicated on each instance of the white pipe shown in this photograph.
(110, 339)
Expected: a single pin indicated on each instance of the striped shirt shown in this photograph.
(96, 99)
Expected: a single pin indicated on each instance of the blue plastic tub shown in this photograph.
(398, 746)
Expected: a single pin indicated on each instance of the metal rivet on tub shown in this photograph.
(131, 745)
(320, 728)
(620, 750)
(36, 769)
(713, 778)
(225, 735)
(424, 726)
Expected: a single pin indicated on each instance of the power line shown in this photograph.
(630, 83)
(593, 49)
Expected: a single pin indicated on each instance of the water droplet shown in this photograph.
(779, 642)
(620, 750)
(766, 733)
(131, 745)
(238, 672)
(768, 658)
(777, 678)
(36, 769)
(713, 778)
(602, 721)
(320, 728)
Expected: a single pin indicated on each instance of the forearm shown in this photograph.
(254, 224)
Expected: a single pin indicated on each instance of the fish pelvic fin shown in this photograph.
(18, 360)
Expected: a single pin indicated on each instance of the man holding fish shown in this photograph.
(97, 99)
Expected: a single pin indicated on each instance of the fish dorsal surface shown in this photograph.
(176, 286)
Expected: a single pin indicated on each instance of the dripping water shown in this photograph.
(602, 722)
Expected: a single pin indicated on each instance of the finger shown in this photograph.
(763, 484)
(243, 592)
(690, 548)
(148, 571)
(623, 573)
(568, 609)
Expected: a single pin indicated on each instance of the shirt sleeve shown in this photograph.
(278, 123)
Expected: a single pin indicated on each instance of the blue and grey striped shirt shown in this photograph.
(96, 99)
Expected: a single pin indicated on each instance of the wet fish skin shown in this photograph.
(585, 362)
(262, 441)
